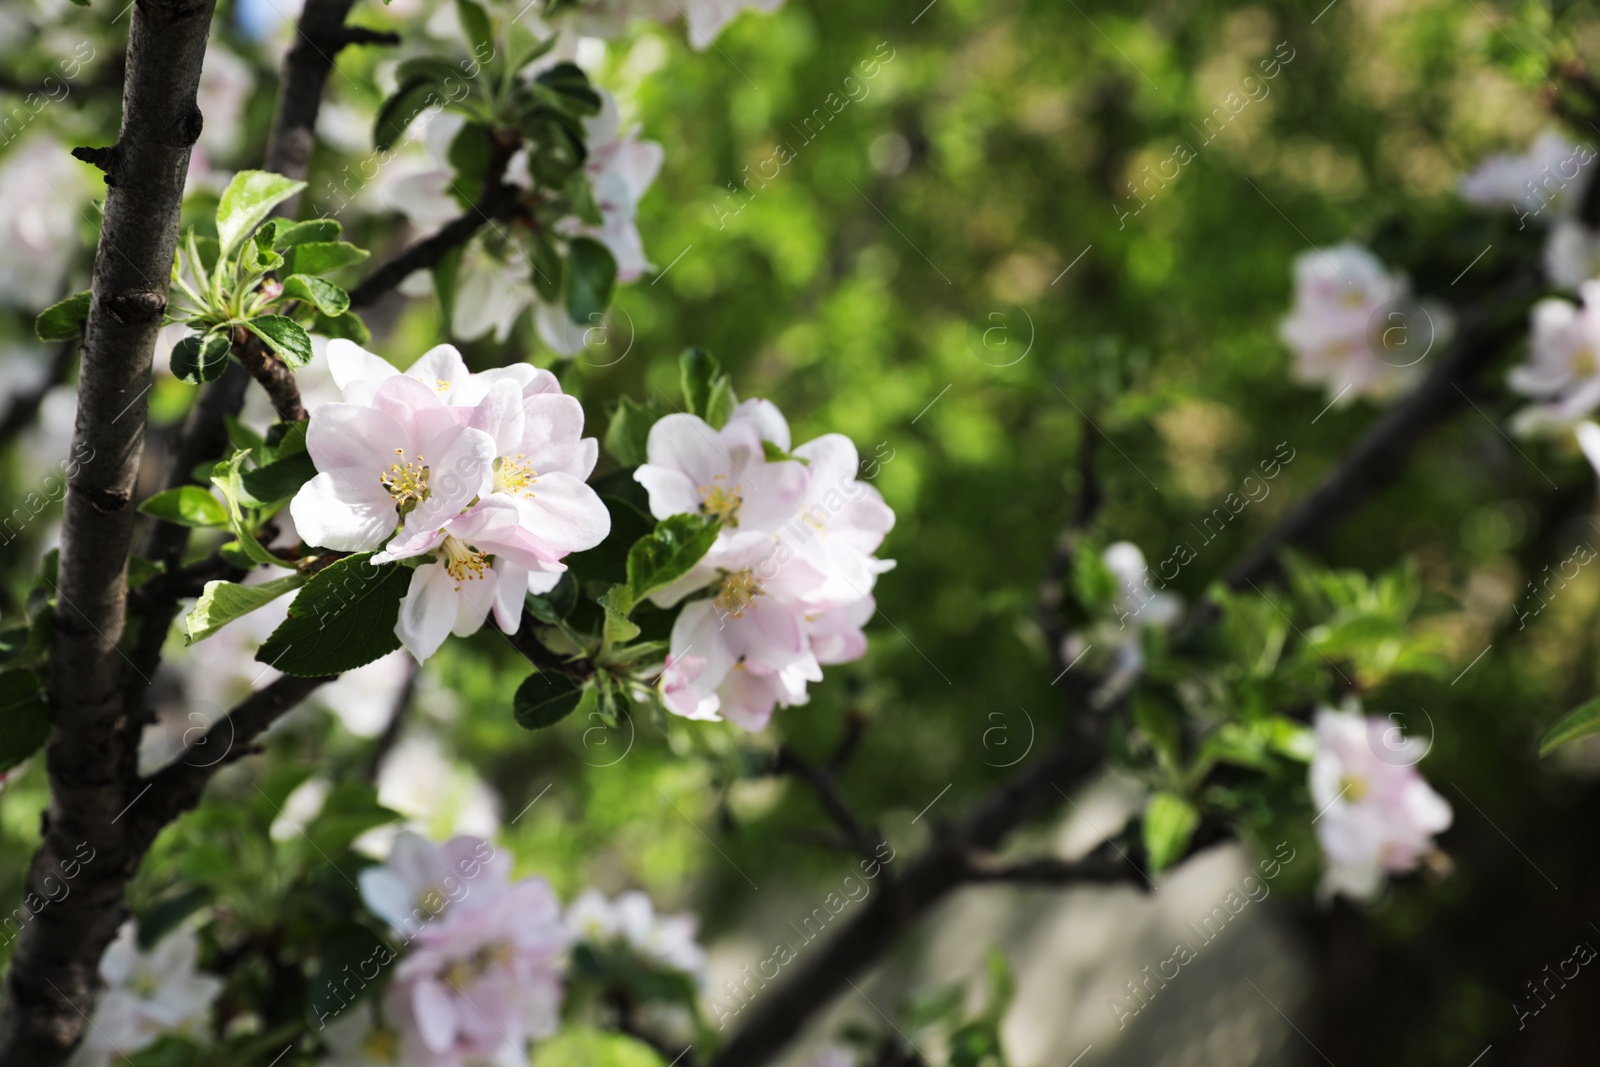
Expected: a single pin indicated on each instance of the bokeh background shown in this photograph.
(955, 272)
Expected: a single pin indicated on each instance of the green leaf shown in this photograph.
(323, 257)
(1169, 823)
(720, 405)
(546, 268)
(398, 112)
(348, 326)
(618, 605)
(591, 276)
(284, 336)
(318, 230)
(771, 452)
(222, 602)
(280, 479)
(246, 203)
(628, 431)
(226, 477)
(579, 1047)
(667, 554)
(63, 321)
(325, 296)
(187, 505)
(698, 372)
(24, 717)
(446, 279)
(475, 21)
(544, 699)
(349, 949)
(555, 605)
(344, 618)
(350, 810)
(1579, 722)
(568, 88)
(199, 359)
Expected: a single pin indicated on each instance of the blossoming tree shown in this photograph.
(323, 431)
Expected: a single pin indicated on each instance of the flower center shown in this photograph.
(463, 562)
(739, 591)
(464, 972)
(1584, 362)
(144, 984)
(1355, 789)
(441, 385)
(406, 480)
(515, 476)
(382, 1045)
(719, 500)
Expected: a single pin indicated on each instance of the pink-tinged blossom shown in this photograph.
(1549, 179)
(1562, 371)
(791, 571)
(1353, 329)
(359, 1038)
(1376, 814)
(487, 979)
(694, 469)
(147, 994)
(481, 560)
(420, 883)
(373, 460)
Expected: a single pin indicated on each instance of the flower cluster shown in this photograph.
(1354, 328)
(482, 976)
(496, 284)
(632, 921)
(147, 994)
(791, 571)
(475, 480)
(1553, 174)
(1376, 814)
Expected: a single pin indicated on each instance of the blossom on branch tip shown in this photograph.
(1376, 815)
(1562, 371)
(1354, 327)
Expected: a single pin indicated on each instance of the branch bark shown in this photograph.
(50, 988)
(499, 202)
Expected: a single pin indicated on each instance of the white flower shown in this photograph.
(358, 1039)
(439, 796)
(633, 920)
(420, 881)
(1353, 328)
(708, 18)
(147, 994)
(372, 461)
(1376, 814)
(46, 193)
(1562, 371)
(1549, 175)
(1571, 254)
(620, 169)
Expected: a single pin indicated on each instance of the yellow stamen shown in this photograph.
(406, 480)
(1355, 789)
(720, 500)
(382, 1045)
(463, 562)
(739, 591)
(515, 475)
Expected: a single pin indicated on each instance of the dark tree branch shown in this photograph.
(1096, 869)
(498, 202)
(51, 986)
(319, 36)
(863, 839)
(273, 374)
(178, 787)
